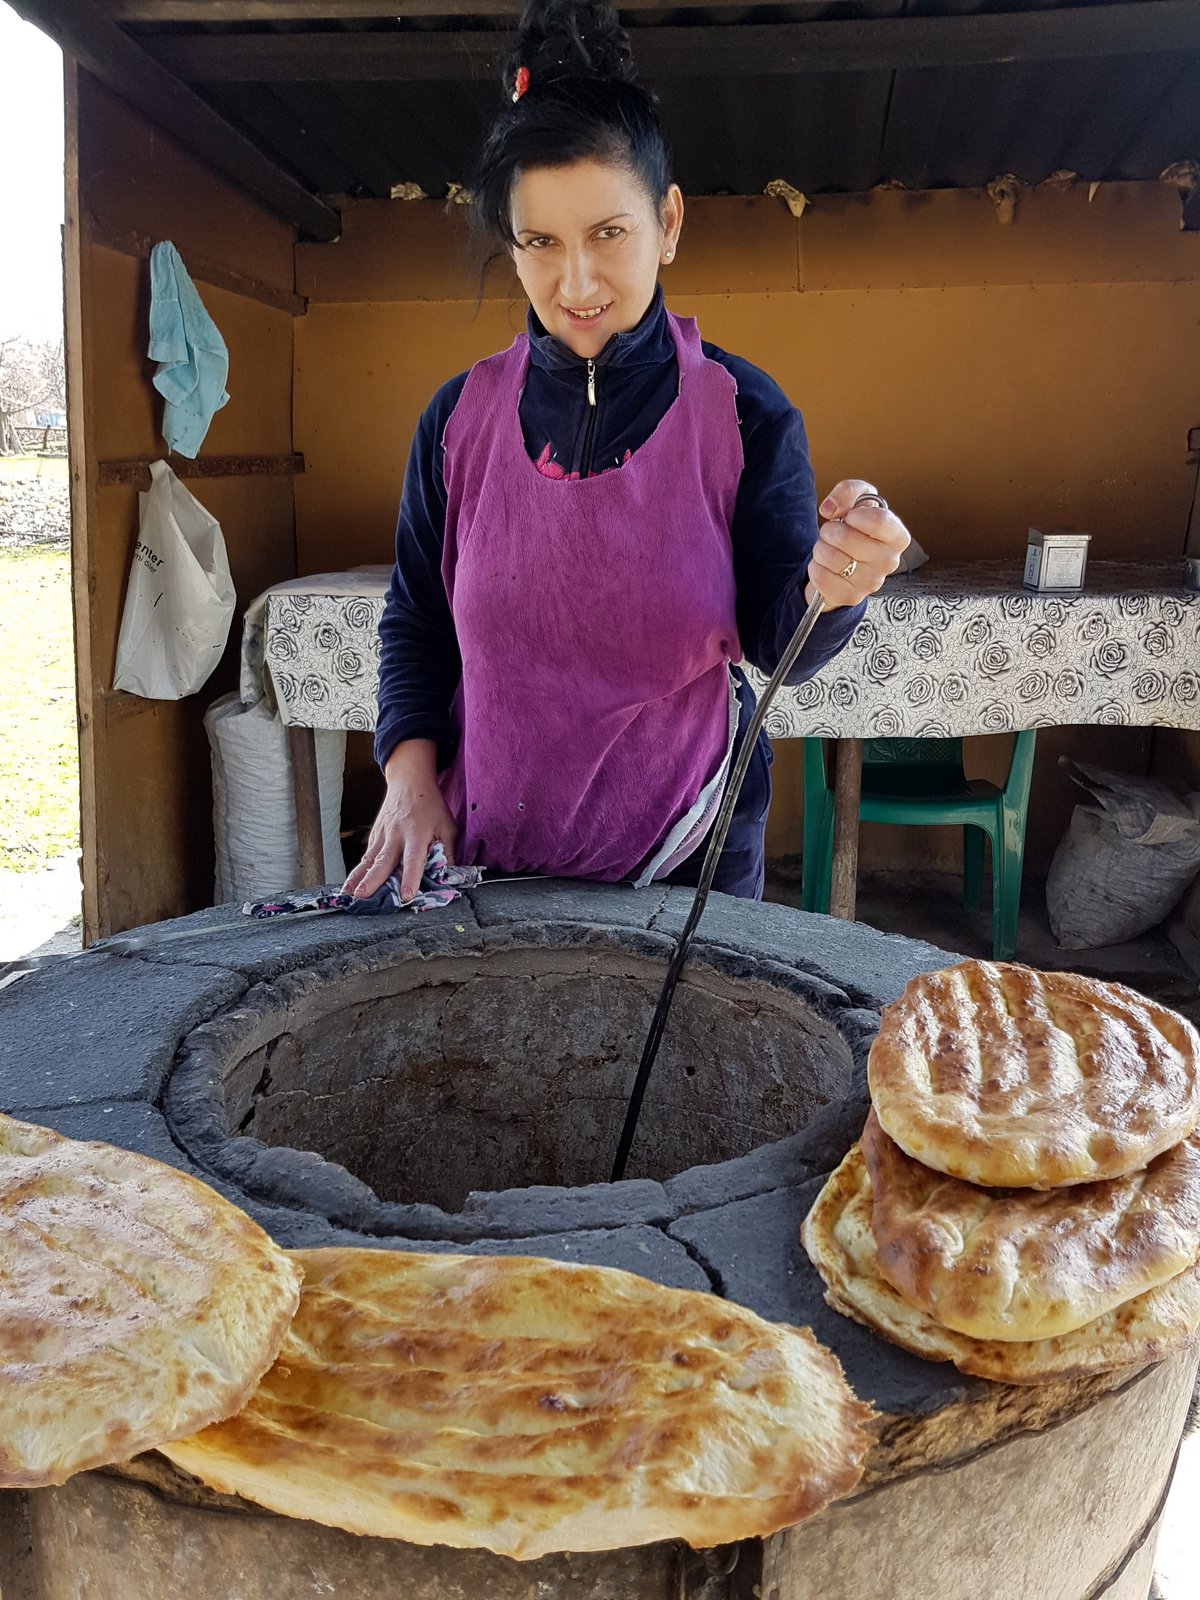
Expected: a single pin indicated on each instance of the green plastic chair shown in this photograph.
(910, 781)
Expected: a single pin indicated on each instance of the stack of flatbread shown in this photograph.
(1025, 1198)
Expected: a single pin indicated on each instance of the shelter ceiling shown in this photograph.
(356, 97)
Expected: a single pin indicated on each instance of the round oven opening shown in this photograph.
(436, 1077)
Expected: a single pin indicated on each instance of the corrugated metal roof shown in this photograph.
(1119, 116)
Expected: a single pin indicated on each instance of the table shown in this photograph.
(318, 640)
(950, 650)
(958, 649)
(313, 645)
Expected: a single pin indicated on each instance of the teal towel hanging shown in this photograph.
(193, 362)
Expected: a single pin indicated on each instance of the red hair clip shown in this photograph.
(520, 83)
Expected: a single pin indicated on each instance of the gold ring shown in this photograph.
(848, 570)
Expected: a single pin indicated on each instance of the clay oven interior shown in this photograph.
(436, 1077)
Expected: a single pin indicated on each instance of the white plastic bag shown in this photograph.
(180, 598)
(254, 807)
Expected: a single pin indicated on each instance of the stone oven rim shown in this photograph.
(192, 1101)
(86, 1048)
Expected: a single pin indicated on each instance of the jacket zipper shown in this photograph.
(589, 436)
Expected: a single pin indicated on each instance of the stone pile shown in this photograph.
(34, 512)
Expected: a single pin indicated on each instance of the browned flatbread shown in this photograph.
(1024, 1264)
(528, 1406)
(1008, 1077)
(135, 1305)
(837, 1235)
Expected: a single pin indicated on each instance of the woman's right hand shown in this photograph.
(412, 817)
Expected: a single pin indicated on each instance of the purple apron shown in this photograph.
(596, 620)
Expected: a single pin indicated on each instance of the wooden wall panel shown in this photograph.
(972, 432)
(396, 250)
(157, 845)
(257, 518)
(422, 251)
(136, 179)
(364, 373)
(1125, 233)
(988, 376)
(146, 791)
(258, 417)
(155, 848)
(981, 411)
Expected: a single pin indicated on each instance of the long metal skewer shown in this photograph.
(716, 844)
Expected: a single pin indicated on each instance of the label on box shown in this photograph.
(1064, 568)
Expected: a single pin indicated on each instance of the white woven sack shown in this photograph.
(1125, 862)
(254, 808)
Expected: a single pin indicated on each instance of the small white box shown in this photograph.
(1056, 559)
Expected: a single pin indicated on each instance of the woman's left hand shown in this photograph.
(858, 548)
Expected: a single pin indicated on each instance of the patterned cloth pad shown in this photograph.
(440, 884)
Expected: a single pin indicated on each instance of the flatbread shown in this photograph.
(837, 1235)
(1007, 1077)
(527, 1406)
(1024, 1264)
(135, 1305)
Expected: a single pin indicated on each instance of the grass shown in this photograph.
(27, 467)
(39, 764)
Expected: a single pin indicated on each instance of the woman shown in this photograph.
(596, 525)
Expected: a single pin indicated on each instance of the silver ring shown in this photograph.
(849, 569)
(871, 500)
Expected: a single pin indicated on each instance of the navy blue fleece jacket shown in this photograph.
(774, 530)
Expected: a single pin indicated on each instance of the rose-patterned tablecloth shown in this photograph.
(319, 640)
(953, 650)
(944, 651)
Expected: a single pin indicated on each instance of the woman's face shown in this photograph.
(589, 246)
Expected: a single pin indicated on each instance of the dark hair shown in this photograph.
(582, 102)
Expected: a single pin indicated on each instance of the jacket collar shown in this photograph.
(649, 344)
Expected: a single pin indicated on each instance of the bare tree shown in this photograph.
(32, 378)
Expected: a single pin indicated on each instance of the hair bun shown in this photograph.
(571, 95)
(560, 39)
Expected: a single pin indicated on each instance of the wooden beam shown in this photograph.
(118, 705)
(78, 312)
(344, 10)
(875, 44)
(1191, 538)
(97, 44)
(138, 472)
(134, 11)
(124, 11)
(843, 888)
(306, 789)
(132, 242)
